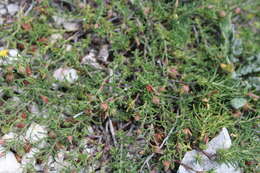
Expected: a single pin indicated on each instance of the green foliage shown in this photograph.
(147, 39)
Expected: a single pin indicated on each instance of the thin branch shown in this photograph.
(29, 9)
(78, 114)
(208, 155)
(146, 162)
(187, 167)
(112, 131)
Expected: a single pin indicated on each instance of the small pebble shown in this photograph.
(68, 47)
(9, 164)
(71, 26)
(13, 52)
(3, 11)
(66, 74)
(58, 20)
(12, 8)
(55, 37)
(35, 133)
(103, 53)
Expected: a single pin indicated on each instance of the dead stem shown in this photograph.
(187, 167)
(112, 131)
(146, 162)
(208, 155)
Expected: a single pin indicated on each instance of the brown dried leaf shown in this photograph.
(9, 77)
(20, 125)
(44, 99)
(158, 137)
(253, 96)
(187, 131)
(52, 135)
(25, 82)
(149, 88)
(28, 70)
(18, 158)
(59, 146)
(2, 141)
(27, 26)
(166, 165)
(24, 115)
(43, 40)
(185, 89)
(161, 89)
(156, 149)
(237, 114)
(206, 139)
(156, 100)
(70, 139)
(27, 147)
(104, 106)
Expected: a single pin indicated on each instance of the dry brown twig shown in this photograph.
(146, 162)
(187, 167)
(112, 131)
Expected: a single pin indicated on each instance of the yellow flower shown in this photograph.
(4, 52)
(228, 67)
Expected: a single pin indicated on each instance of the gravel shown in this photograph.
(12, 8)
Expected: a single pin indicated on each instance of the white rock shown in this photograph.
(90, 130)
(68, 47)
(222, 141)
(90, 59)
(35, 133)
(3, 11)
(66, 74)
(9, 164)
(10, 136)
(58, 164)
(238, 102)
(12, 8)
(39, 168)
(8, 60)
(58, 20)
(13, 52)
(71, 26)
(29, 158)
(55, 37)
(34, 109)
(14, 101)
(55, 86)
(103, 53)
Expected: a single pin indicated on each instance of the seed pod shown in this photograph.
(104, 106)
(156, 100)
(222, 13)
(20, 125)
(238, 10)
(24, 115)
(9, 77)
